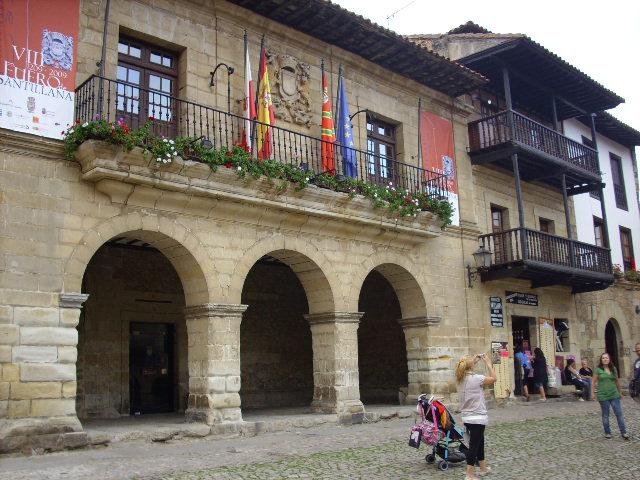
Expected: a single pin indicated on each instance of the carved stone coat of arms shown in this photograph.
(290, 89)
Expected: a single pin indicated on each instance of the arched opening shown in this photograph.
(132, 342)
(276, 357)
(611, 343)
(382, 352)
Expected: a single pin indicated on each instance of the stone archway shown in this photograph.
(213, 379)
(402, 315)
(612, 341)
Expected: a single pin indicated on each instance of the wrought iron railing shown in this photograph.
(113, 100)
(520, 244)
(495, 130)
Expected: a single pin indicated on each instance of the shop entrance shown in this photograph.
(521, 332)
(611, 342)
(151, 360)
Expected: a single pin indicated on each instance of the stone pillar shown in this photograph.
(422, 361)
(38, 383)
(213, 332)
(335, 364)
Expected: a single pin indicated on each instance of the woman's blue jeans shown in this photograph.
(617, 410)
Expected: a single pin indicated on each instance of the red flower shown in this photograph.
(243, 145)
(151, 119)
(228, 165)
(408, 200)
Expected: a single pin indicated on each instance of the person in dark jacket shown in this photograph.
(540, 375)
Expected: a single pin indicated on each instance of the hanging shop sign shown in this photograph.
(38, 52)
(497, 317)
(520, 298)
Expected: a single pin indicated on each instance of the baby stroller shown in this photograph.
(448, 445)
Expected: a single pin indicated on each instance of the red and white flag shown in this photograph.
(250, 95)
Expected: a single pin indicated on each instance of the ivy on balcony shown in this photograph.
(397, 201)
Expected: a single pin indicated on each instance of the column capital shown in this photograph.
(72, 300)
(333, 317)
(415, 322)
(214, 310)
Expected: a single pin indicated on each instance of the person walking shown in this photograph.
(540, 375)
(523, 359)
(607, 386)
(473, 409)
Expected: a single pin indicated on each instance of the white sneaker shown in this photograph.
(581, 399)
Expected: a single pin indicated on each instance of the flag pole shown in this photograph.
(247, 108)
(255, 125)
(420, 132)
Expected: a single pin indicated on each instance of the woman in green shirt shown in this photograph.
(607, 386)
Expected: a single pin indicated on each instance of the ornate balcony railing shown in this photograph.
(523, 244)
(113, 100)
(494, 131)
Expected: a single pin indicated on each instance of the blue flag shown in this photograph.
(344, 131)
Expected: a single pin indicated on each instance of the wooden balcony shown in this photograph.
(543, 153)
(547, 260)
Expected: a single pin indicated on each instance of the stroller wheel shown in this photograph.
(443, 465)
(430, 458)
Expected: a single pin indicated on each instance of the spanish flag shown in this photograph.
(328, 132)
(266, 116)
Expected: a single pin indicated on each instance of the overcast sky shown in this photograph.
(600, 38)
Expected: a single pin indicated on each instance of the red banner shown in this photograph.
(38, 49)
(438, 153)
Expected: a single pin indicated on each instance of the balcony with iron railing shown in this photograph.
(114, 170)
(544, 154)
(113, 100)
(546, 260)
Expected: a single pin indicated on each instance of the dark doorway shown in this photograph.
(276, 360)
(521, 336)
(611, 343)
(382, 350)
(151, 357)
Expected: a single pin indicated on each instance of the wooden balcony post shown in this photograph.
(565, 201)
(507, 96)
(523, 236)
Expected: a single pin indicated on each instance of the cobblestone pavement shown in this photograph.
(556, 440)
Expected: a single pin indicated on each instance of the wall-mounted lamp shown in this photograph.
(359, 111)
(482, 259)
(212, 82)
(637, 309)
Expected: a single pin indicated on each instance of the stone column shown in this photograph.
(213, 332)
(421, 359)
(335, 364)
(39, 379)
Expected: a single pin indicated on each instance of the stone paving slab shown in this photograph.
(553, 440)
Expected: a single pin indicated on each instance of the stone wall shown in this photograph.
(619, 304)
(382, 352)
(275, 339)
(125, 285)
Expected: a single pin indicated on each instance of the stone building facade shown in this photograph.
(124, 280)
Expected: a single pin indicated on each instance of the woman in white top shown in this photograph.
(473, 409)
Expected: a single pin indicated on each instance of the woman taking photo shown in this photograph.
(540, 375)
(473, 409)
(607, 386)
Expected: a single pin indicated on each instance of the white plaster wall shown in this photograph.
(586, 207)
